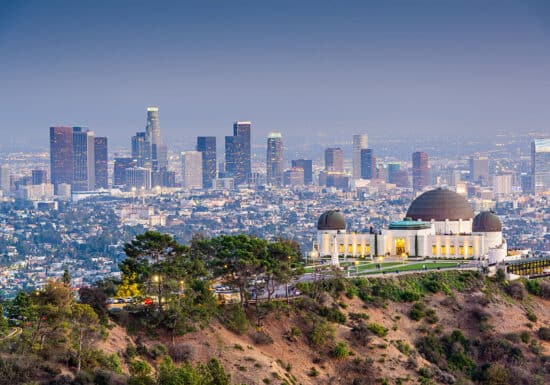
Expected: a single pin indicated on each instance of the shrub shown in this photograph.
(431, 316)
(313, 372)
(377, 329)
(157, 351)
(403, 347)
(322, 334)
(533, 287)
(531, 316)
(361, 333)
(332, 314)
(358, 316)
(181, 352)
(417, 311)
(496, 374)
(295, 331)
(234, 318)
(544, 333)
(516, 290)
(340, 350)
(261, 338)
(525, 336)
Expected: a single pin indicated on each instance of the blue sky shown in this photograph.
(299, 67)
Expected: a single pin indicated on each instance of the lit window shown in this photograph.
(434, 250)
(461, 250)
(452, 250)
(443, 250)
(470, 250)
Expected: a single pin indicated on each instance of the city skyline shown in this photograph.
(409, 67)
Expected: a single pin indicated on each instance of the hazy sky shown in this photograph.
(299, 67)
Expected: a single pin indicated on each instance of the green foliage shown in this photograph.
(496, 374)
(234, 318)
(377, 329)
(322, 334)
(340, 350)
(418, 311)
(403, 347)
(531, 316)
(332, 314)
(211, 373)
(533, 286)
(139, 368)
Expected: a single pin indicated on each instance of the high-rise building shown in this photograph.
(502, 184)
(334, 160)
(360, 142)
(191, 162)
(61, 156)
(368, 164)
(274, 159)
(119, 174)
(238, 163)
(5, 182)
(159, 154)
(397, 176)
(138, 178)
(83, 159)
(479, 170)
(39, 177)
(294, 177)
(207, 145)
(101, 162)
(141, 149)
(540, 164)
(307, 166)
(420, 170)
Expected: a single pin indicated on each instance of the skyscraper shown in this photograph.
(360, 142)
(158, 150)
(294, 177)
(141, 149)
(306, 165)
(540, 164)
(83, 159)
(39, 177)
(479, 169)
(274, 159)
(101, 163)
(420, 170)
(334, 160)
(5, 182)
(61, 155)
(138, 178)
(368, 164)
(207, 146)
(237, 153)
(119, 174)
(191, 162)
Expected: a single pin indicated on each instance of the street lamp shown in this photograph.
(404, 256)
(157, 279)
(356, 267)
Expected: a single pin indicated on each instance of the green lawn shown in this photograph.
(418, 266)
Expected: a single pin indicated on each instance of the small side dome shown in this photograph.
(486, 222)
(331, 220)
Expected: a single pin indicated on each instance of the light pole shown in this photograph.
(158, 280)
(357, 268)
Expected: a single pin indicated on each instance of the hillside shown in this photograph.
(498, 341)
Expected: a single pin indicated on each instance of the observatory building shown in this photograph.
(439, 224)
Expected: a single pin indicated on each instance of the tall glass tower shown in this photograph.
(274, 159)
(540, 164)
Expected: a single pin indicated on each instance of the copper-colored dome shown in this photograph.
(486, 222)
(331, 220)
(439, 205)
